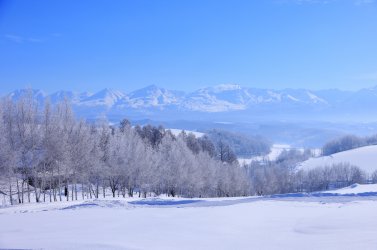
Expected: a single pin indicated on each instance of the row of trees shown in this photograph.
(346, 143)
(275, 178)
(47, 154)
(242, 145)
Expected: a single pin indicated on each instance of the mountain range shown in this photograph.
(223, 103)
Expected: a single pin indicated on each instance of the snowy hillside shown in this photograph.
(355, 189)
(364, 157)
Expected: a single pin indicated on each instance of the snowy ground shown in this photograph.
(364, 157)
(358, 189)
(176, 132)
(332, 221)
(276, 150)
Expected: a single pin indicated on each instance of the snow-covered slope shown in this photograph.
(355, 189)
(364, 157)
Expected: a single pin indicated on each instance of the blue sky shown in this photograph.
(187, 44)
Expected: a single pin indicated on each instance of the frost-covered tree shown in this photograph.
(47, 153)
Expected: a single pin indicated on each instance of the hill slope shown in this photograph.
(364, 157)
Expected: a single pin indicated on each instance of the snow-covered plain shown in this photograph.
(363, 157)
(286, 222)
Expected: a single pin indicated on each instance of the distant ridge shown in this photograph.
(230, 102)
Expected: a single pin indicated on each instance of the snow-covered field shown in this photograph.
(364, 157)
(176, 132)
(276, 150)
(284, 222)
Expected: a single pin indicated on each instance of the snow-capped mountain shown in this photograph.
(105, 97)
(153, 96)
(217, 99)
(228, 101)
(74, 97)
(37, 94)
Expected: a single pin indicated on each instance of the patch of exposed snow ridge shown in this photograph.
(315, 98)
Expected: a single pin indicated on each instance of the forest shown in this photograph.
(47, 155)
(47, 152)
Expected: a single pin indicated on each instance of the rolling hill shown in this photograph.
(363, 157)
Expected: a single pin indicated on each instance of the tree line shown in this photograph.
(284, 176)
(347, 142)
(47, 154)
(242, 145)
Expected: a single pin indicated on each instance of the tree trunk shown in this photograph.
(130, 192)
(75, 190)
(67, 190)
(54, 193)
(50, 189)
(82, 191)
(44, 184)
(72, 192)
(90, 190)
(18, 193)
(22, 191)
(124, 192)
(28, 191)
(10, 191)
(59, 185)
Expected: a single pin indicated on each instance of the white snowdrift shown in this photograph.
(355, 189)
(364, 157)
(256, 224)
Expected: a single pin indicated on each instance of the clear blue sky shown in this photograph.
(187, 44)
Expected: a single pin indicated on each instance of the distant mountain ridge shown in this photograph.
(226, 102)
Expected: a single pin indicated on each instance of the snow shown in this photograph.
(226, 87)
(293, 98)
(363, 157)
(315, 98)
(275, 96)
(176, 132)
(106, 97)
(236, 223)
(153, 96)
(276, 150)
(355, 189)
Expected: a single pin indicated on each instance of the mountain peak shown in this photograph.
(106, 97)
(227, 87)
